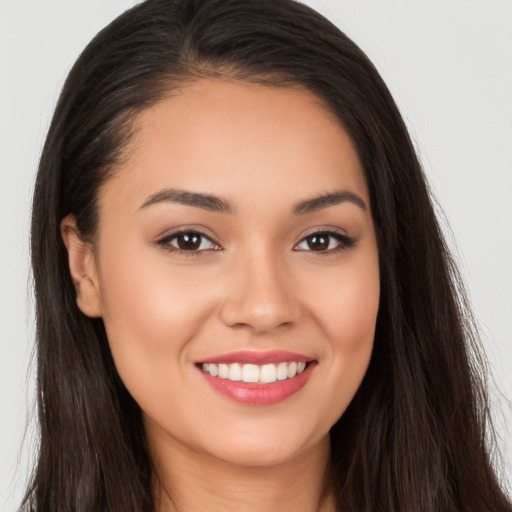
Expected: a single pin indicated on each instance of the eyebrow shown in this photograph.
(326, 200)
(216, 204)
(197, 199)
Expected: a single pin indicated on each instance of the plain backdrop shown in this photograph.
(449, 67)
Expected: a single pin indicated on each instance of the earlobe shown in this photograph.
(82, 267)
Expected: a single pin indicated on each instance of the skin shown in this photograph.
(258, 286)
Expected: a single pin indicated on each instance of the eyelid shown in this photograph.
(186, 228)
(344, 241)
(164, 241)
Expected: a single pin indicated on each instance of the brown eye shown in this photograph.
(318, 242)
(188, 241)
(325, 241)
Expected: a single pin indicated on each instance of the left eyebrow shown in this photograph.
(326, 200)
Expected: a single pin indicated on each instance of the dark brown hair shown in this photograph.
(415, 436)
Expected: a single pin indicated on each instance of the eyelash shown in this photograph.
(343, 242)
(166, 242)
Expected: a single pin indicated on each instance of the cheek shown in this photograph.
(348, 316)
(352, 314)
(347, 303)
(150, 312)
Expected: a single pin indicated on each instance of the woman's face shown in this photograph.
(237, 238)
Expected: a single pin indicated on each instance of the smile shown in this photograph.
(260, 374)
(257, 378)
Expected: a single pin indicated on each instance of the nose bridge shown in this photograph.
(261, 297)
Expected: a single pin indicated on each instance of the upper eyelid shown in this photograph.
(330, 230)
(184, 230)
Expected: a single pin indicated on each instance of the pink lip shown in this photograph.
(259, 394)
(254, 357)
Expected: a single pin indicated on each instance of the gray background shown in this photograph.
(449, 66)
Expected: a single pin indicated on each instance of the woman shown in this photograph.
(244, 301)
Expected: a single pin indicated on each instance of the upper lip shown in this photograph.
(259, 358)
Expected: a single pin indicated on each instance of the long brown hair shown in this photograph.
(415, 437)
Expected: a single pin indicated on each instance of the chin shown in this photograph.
(265, 447)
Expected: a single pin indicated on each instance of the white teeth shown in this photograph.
(223, 371)
(235, 372)
(268, 373)
(213, 369)
(282, 371)
(250, 373)
(263, 374)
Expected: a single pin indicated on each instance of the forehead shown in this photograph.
(236, 139)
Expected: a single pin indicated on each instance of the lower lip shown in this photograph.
(259, 394)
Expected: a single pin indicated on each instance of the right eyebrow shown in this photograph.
(197, 199)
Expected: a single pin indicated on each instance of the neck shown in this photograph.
(188, 481)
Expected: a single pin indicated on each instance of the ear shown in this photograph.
(82, 266)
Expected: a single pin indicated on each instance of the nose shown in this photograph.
(261, 298)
